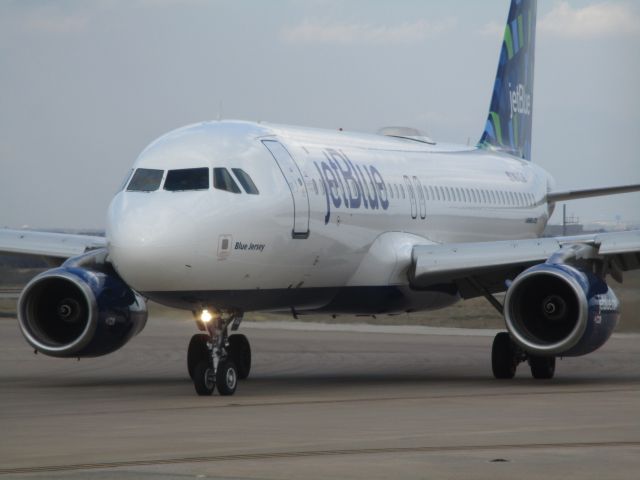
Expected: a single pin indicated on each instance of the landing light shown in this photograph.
(206, 316)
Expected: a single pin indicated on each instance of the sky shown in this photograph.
(85, 86)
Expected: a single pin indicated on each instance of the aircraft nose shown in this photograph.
(146, 242)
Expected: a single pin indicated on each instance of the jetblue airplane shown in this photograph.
(226, 217)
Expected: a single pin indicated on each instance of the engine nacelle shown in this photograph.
(79, 312)
(559, 310)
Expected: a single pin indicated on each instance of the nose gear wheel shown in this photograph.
(217, 360)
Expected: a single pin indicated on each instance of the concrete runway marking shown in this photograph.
(313, 453)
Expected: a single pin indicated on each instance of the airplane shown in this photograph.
(226, 217)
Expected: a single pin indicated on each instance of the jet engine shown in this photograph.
(560, 310)
(74, 311)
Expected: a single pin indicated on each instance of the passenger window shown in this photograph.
(187, 179)
(145, 180)
(222, 180)
(246, 182)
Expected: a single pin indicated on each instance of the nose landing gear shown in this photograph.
(216, 359)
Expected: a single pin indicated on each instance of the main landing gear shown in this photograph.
(506, 356)
(214, 358)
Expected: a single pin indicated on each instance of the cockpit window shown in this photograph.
(145, 180)
(187, 179)
(126, 180)
(222, 180)
(245, 180)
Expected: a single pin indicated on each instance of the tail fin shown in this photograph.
(508, 126)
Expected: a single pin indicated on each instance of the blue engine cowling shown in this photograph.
(559, 310)
(74, 311)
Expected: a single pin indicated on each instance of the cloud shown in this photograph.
(155, 4)
(49, 19)
(597, 20)
(365, 34)
(492, 29)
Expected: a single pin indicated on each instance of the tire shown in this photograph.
(240, 353)
(503, 363)
(197, 352)
(203, 379)
(227, 377)
(542, 368)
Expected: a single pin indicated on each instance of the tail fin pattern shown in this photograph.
(508, 126)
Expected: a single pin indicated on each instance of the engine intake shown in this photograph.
(79, 312)
(559, 310)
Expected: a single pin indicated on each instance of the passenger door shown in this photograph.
(412, 197)
(421, 199)
(293, 176)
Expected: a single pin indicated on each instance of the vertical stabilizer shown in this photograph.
(508, 126)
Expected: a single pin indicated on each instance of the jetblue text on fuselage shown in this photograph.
(350, 185)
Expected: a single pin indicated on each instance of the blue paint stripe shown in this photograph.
(511, 134)
(514, 36)
(489, 130)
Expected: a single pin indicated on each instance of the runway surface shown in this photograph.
(342, 402)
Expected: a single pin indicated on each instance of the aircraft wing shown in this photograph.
(553, 197)
(47, 244)
(486, 267)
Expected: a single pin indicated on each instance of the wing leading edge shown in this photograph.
(553, 197)
(47, 244)
(493, 264)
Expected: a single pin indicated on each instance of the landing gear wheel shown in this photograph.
(197, 352)
(227, 377)
(503, 356)
(204, 379)
(542, 368)
(240, 352)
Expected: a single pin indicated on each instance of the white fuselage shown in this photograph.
(332, 227)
